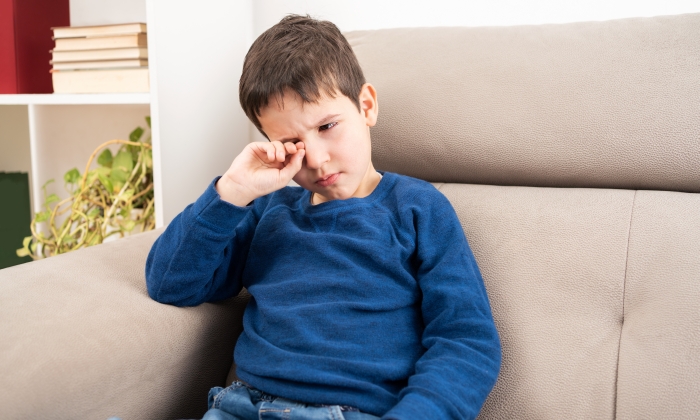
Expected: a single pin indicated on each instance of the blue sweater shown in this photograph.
(372, 302)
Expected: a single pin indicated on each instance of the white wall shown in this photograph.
(375, 14)
(198, 124)
(14, 139)
(15, 154)
(105, 12)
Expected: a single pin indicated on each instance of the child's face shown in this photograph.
(338, 161)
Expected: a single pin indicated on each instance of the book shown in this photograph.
(102, 30)
(102, 64)
(15, 216)
(100, 42)
(106, 54)
(100, 81)
(25, 41)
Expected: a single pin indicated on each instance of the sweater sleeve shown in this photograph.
(200, 256)
(462, 350)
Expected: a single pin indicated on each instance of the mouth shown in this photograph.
(328, 180)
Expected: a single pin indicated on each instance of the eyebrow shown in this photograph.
(325, 120)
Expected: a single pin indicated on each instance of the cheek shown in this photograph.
(302, 178)
(351, 147)
(299, 177)
(356, 148)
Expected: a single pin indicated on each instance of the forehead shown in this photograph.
(290, 101)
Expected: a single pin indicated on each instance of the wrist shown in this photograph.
(232, 192)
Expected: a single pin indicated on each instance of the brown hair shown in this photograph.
(311, 57)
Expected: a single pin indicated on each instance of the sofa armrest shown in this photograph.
(81, 338)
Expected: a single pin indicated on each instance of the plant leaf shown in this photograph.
(96, 239)
(24, 251)
(72, 176)
(148, 158)
(43, 216)
(118, 175)
(123, 161)
(148, 121)
(129, 225)
(117, 186)
(105, 181)
(91, 177)
(128, 194)
(136, 134)
(51, 199)
(105, 158)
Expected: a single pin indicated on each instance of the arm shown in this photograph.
(462, 359)
(200, 257)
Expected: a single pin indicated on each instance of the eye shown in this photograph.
(328, 126)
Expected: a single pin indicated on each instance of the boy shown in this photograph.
(366, 300)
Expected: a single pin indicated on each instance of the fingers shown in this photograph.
(290, 148)
(264, 151)
(278, 151)
(294, 164)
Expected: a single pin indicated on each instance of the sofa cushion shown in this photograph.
(595, 294)
(81, 339)
(659, 372)
(553, 262)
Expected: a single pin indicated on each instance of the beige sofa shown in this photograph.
(570, 152)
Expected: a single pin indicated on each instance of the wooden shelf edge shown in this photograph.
(75, 99)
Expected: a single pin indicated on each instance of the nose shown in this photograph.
(316, 154)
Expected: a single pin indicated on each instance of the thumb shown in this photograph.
(294, 165)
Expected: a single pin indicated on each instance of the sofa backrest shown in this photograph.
(596, 104)
(571, 154)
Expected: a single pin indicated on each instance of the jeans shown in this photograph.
(240, 402)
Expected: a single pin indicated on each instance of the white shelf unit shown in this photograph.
(195, 59)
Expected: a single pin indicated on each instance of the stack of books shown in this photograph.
(100, 59)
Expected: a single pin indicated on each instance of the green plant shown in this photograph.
(113, 199)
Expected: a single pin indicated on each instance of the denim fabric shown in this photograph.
(240, 402)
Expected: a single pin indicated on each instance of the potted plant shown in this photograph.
(112, 200)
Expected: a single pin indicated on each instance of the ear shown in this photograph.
(368, 104)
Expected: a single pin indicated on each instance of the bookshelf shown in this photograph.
(195, 59)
